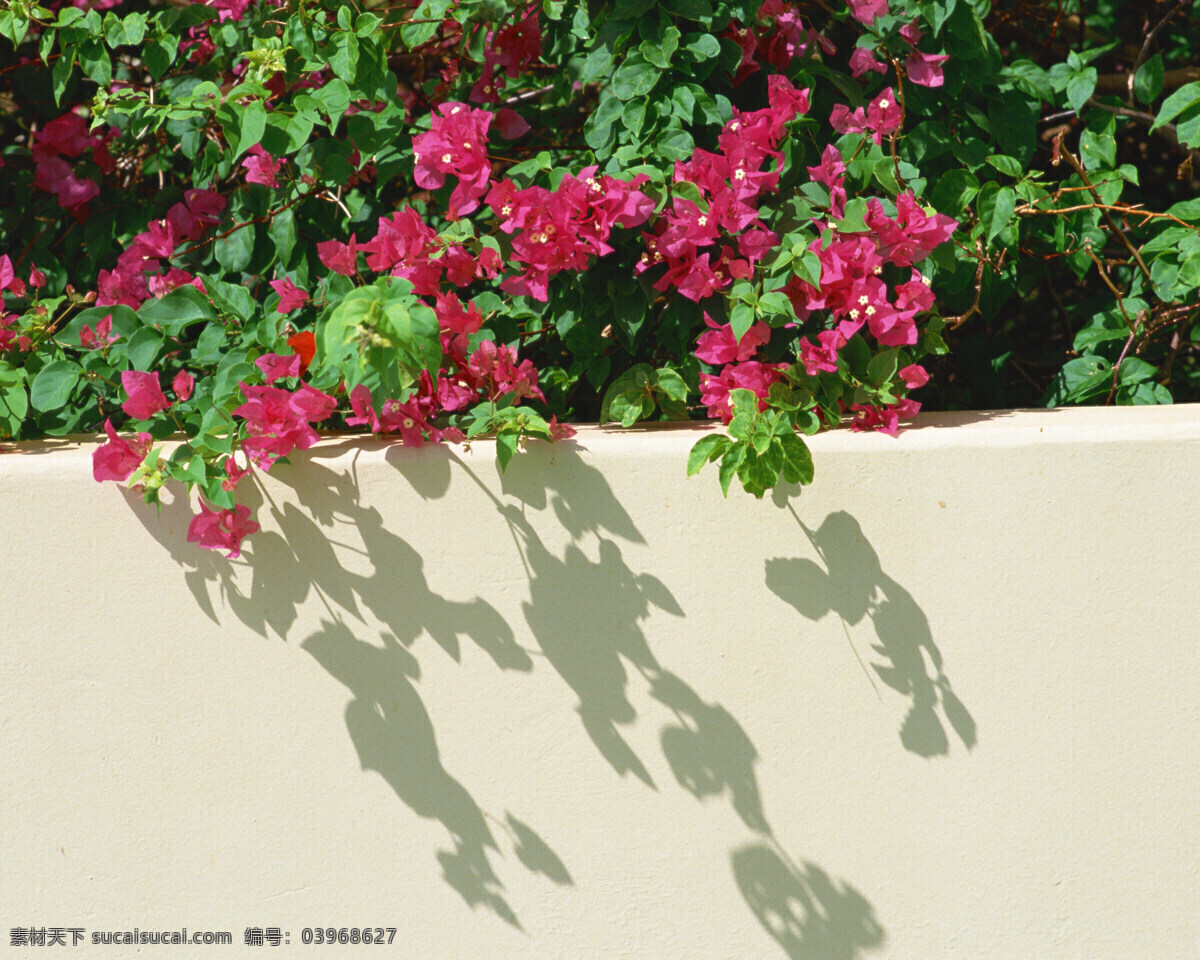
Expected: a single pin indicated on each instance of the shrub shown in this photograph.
(236, 220)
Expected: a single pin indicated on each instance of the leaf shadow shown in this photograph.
(850, 583)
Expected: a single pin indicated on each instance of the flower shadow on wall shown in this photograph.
(585, 618)
(854, 586)
(388, 723)
(589, 640)
(810, 915)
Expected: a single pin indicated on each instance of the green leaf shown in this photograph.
(883, 366)
(701, 47)
(1081, 379)
(506, 447)
(669, 383)
(675, 144)
(253, 123)
(52, 386)
(730, 463)
(1098, 149)
(807, 266)
(598, 130)
(231, 298)
(1187, 127)
(705, 450)
(598, 64)
(1186, 96)
(995, 207)
(60, 74)
(634, 78)
(853, 221)
(343, 55)
(235, 250)
(1010, 166)
(159, 56)
(741, 319)
(797, 459)
(1136, 370)
(143, 348)
(690, 9)
(178, 308)
(1148, 81)
(16, 400)
(1080, 87)
(283, 234)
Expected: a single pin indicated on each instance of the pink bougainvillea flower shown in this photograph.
(55, 175)
(279, 422)
(198, 210)
(510, 124)
(233, 474)
(560, 431)
(183, 384)
(364, 410)
(884, 419)
(37, 279)
(9, 338)
(864, 59)
(845, 120)
(339, 257)
(221, 529)
(455, 144)
(274, 366)
(118, 458)
(865, 11)
(101, 337)
(883, 114)
(914, 376)
(821, 358)
(719, 346)
(6, 272)
(913, 235)
(261, 167)
(291, 297)
(750, 375)
(925, 69)
(145, 395)
(496, 367)
(161, 285)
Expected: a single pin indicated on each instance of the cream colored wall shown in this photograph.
(944, 703)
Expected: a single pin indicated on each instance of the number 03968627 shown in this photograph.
(316, 935)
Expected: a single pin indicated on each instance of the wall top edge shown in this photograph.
(967, 429)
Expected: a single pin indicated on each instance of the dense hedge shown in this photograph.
(239, 220)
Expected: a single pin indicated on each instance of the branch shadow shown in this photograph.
(852, 584)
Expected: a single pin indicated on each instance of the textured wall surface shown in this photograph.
(944, 703)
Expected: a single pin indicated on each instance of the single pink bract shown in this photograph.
(145, 395)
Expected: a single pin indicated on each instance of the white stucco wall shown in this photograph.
(944, 703)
